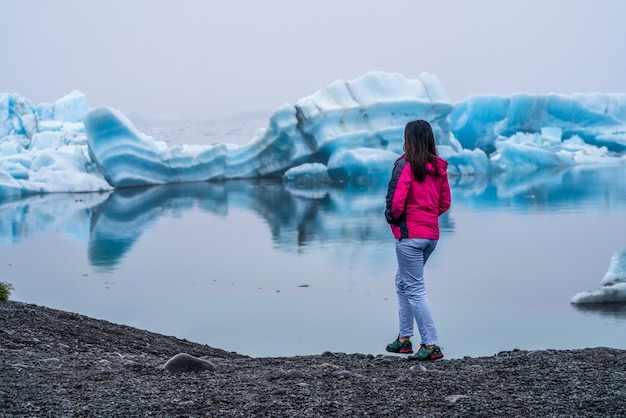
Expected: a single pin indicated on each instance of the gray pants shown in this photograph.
(412, 254)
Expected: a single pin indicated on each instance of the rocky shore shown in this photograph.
(60, 364)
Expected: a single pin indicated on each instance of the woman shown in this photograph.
(418, 193)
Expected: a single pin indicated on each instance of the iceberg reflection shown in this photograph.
(112, 222)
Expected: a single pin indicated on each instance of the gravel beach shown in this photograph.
(60, 364)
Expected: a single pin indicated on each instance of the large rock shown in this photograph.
(184, 362)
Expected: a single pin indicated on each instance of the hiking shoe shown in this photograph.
(404, 347)
(426, 353)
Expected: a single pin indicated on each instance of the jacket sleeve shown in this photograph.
(394, 190)
(445, 197)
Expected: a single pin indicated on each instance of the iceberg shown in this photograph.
(598, 119)
(613, 284)
(331, 126)
(307, 175)
(43, 149)
(347, 132)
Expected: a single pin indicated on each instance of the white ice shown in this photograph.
(613, 284)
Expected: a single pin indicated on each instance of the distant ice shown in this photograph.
(345, 132)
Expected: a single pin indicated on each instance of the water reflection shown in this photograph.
(608, 310)
(295, 219)
(112, 222)
(547, 189)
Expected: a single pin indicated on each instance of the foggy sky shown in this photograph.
(207, 58)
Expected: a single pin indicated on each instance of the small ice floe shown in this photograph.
(613, 284)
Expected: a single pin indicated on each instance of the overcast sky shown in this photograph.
(208, 58)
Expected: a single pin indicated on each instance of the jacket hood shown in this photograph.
(442, 166)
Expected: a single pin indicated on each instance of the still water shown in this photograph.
(264, 270)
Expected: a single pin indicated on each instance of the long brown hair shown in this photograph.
(420, 149)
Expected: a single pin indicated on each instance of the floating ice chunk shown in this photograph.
(18, 117)
(361, 165)
(613, 283)
(45, 140)
(27, 124)
(49, 125)
(44, 112)
(606, 294)
(9, 146)
(8, 185)
(74, 127)
(526, 151)
(72, 107)
(66, 169)
(553, 135)
(372, 110)
(479, 120)
(311, 174)
(466, 162)
(614, 139)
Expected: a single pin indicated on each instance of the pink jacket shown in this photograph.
(413, 208)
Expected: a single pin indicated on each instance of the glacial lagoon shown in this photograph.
(262, 269)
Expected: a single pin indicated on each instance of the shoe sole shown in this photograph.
(432, 357)
(400, 351)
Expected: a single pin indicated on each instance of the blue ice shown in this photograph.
(345, 132)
